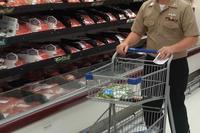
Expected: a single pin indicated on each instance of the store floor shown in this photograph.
(81, 116)
(193, 108)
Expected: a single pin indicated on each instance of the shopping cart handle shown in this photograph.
(89, 76)
(136, 50)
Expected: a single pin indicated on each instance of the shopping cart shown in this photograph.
(126, 82)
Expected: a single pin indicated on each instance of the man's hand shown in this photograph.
(122, 48)
(165, 52)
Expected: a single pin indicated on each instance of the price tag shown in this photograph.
(2, 42)
(62, 59)
(6, 10)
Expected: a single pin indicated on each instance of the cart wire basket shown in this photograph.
(129, 120)
(131, 82)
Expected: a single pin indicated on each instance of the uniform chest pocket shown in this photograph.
(149, 23)
(171, 25)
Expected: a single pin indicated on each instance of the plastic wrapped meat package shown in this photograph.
(85, 19)
(33, 55)
(70, 22)
(108, 16)
(2, 2)
(130, 14)
(10, 106)
(71, 49)
(84, 45)
(87, 0)
(49, 91)
(52, 50)
(14, 3)
(54, 1)
(23, 28)
(52, 22)
(73, 1)
(96, 42)
(13, 60)
(35, 24)
(111, 17)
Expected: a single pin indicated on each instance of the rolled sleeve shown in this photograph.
(189, 24)
(138, 24)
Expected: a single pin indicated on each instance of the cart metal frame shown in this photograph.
(131, 86)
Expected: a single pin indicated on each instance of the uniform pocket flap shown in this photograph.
(148, 23)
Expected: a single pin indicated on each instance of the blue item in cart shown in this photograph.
(108, 92)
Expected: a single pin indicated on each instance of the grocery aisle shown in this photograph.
(193, 108)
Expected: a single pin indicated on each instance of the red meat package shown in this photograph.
(53, 50)
(129, 13)
(33, 55)
(71, 49)
(48, 90)
(87, 0)
(14, 3)
(2, 2)
(111, 17)
(84, 45)
(73, 1)
(100, 20)
(11, 106)
(36, 25)
(23, 28)
(13, 60)
(53, 1)
(73, 22)
(86, 19)
(52, 22)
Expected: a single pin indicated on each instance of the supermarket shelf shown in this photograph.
(59, 6)
(55, 61)
(68, 32)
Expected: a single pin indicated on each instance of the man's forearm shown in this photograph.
(184, 44)
(132, 39)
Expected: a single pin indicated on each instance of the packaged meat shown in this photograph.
(83, 45)
(14, 3)
(33, 55)
(71, 49)
(2, 2)
(10, 106)
(70, 21)
(95, 42)
(129, 13)
(69, 77)
(22, 28)
(73, 1)
(53, 50)
(53, 1)
(36, 25)
(52, 22)
(98, 19)
(111, 17)
(85, 19)
(87, 0)
(48, 90)
(102, 37)
(107, 16)
(12, 60)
